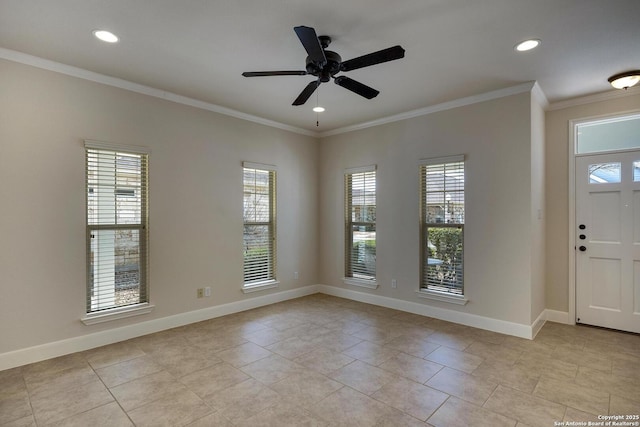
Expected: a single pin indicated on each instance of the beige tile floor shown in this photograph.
(326, 361)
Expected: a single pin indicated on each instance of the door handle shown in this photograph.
(582, 248)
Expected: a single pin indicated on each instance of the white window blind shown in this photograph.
(117, 229)
(442, 183)
(259, 239)
(360, 223)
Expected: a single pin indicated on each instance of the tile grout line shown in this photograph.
(110, 393)
(532, 358)
(24, 381)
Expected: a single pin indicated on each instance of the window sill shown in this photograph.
(363, 283)
(117, 313)
(260, 286)
(443, 297)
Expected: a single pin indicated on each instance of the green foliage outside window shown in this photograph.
(444, 263)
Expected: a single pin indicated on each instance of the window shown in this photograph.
(442, 227)
(609, 134)
(605, 173)
(117, 231)
(259, 239)
(360, 226)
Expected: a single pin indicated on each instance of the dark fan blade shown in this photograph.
(390, 54)
(306, 93)
(273, 73)
(309, 40)
(357, 87)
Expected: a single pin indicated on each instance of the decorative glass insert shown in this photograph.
(636, 171)
(605, 173)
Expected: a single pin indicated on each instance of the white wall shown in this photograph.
(195, 201)
(538, 210)
(557, 189)
(496, 138)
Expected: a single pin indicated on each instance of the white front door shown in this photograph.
(608, 240)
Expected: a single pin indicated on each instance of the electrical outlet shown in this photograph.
(200, 292)
(207, 291)
(295, 275)
(394, 283)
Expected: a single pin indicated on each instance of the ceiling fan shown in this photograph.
(325, 64)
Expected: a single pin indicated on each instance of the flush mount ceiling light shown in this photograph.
(625, 80)
(105, 36)
(318, 109)
(527, 45)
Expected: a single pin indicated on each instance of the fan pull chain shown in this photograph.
(317, 104)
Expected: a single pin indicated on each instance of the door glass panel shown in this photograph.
(636, 171)
(604, 173)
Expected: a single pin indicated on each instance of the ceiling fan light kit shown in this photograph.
(325, 64)
(105, 36)
(625, 80)
(526, 45)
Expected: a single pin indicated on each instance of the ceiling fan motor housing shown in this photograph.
(327, 70)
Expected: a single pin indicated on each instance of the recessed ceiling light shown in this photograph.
(527, 45)
(105, 36)
(318, 109)
(625, 80)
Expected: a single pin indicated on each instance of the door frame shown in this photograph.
(573, 144)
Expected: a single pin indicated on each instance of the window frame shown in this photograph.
(350, 279)
(271, 281)
(95, 315)
(423, 287)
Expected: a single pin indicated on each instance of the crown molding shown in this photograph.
(539, 95)
(533, 87)
(474, 99)
(45, 64)
(596, 97)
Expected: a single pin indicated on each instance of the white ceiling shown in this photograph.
(454, 48)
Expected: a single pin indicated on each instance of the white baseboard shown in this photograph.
(50, 350)
(557, 316)
(538, 323)
(495, 325)
(60, 348)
